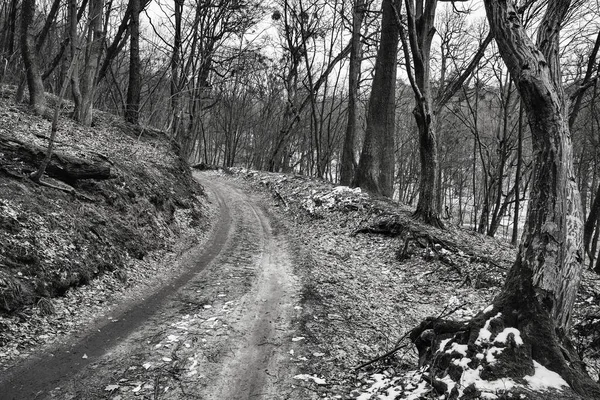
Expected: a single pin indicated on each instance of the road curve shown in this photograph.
(245, 261)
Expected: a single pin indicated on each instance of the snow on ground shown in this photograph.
(544, 379)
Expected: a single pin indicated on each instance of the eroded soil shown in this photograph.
(221, 330)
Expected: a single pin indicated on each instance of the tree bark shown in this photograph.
(83, 115)
(375, 172)
(348, 162)
(35, 84)
(132, 110)
(74, 48)
(175, 65)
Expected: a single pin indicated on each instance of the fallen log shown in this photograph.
(63, 167)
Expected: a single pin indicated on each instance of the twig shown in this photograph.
(386, 355)
(442, 315)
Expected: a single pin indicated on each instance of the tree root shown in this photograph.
(498, 352)
(395, 225)
(63, 188)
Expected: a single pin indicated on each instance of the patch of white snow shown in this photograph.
(544, 379)
(306, 377)
(443, 343)
(503, 336)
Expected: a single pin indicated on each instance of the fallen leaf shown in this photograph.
(110, 388)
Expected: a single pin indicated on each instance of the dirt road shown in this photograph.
(220, 330)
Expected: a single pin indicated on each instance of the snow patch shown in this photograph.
(459, 348)
(503, 336)
(463, 362)
(443, 344)
(544, 379)
(306, 377)
(484, 333)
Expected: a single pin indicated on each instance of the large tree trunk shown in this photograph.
(37, 97)
(132, 109)
(375, 172)
(348, 162)
(551, 248)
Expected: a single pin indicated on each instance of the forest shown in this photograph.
(483, 116)
(293, 86)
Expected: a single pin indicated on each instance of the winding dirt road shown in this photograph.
(221, 330)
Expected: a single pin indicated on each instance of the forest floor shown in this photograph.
(264, 285)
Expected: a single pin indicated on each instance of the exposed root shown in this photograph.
(429, 218)
(510, 349)
(395, 225)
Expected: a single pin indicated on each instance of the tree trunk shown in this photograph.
(375, 172)
(175, 65)
(348, 162)
(427, 209)
(83, 115)
(132, 108)
(74, 40)
(37, 97)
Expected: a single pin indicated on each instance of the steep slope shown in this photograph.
(142, 203)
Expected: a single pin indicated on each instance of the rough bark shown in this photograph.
(74, 48)
(175, 65)
(35, 84)
(348, 161)
(93, 49)
(132, 108)
(375, 172)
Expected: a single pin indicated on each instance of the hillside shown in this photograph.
(52, 240)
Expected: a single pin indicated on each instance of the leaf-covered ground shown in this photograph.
(362, 292)
(105, 236)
